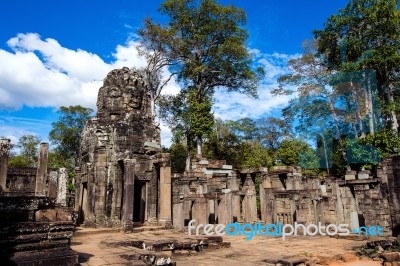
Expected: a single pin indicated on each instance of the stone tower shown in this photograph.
(123, 178)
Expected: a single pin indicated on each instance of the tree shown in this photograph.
(66, 132)
(28, 152)
(290, 150)
(253, 155)
(270, 131)
(366, 35)
(204, 42)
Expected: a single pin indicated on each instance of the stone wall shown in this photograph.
(213, 192)
(34, 229)
(390, 170)
(123, 179)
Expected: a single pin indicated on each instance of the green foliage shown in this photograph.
(178, 157)
(253, 155)
(357, 153)
(201, 118)
(290, 150)
(235, 142)
(66, 135)
(309, 162)
(205, 45)
(207, 42)
(386, 141)
(19, 161)
(28, 152)
(365, 35)
(66, 132)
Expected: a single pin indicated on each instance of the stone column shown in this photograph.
(101, 185)
(62, 187)
(249, 203)
(53, 176)
(127, 205)
(200, 211)
(177, 201)
(41, 175)
(5, 146)
(269, 204)
(165, 195)
(78, 189)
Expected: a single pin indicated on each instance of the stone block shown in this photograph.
(349, 177)
(363, 176)
(391, 256)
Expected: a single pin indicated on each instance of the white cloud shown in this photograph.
(41, 72)
(234, 106)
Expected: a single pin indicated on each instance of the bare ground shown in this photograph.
(260, 250)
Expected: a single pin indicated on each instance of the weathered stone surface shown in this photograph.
(41, 177)
(123, 178)
(391, 256)
(5, 146)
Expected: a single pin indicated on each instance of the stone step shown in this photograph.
(85, 231)
(82, 231)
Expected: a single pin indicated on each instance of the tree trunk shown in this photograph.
(393, 116)
(199, 142)
(369, 105)
(187, 163)
(332, 109)
(325, 154)
(152, 105)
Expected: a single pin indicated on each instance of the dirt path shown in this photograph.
(258, 251)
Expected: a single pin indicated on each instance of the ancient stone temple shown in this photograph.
(212, 192)
(36, 225)
(123, 178)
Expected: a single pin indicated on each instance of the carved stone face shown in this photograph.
(133, 100)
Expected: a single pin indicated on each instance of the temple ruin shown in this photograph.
(37, 225)
(123, 178)
(212, 192)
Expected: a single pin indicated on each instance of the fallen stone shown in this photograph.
(391, 256)
(349, 256)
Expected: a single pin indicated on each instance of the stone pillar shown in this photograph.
(89, 204)
(152, 203)
(78, 189)
(41, 175)
(62, 187)
(177, 208)
(269, 203)
(101, 185)
(225, 208)
(249, 203)
(263, 206)
(5, 146)
(233, 185)
(53, 176)
(200, 211)
(127, 205)
(165, 195)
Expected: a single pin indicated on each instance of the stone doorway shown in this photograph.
(139, 201)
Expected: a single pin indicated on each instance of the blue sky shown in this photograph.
(55, 53)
